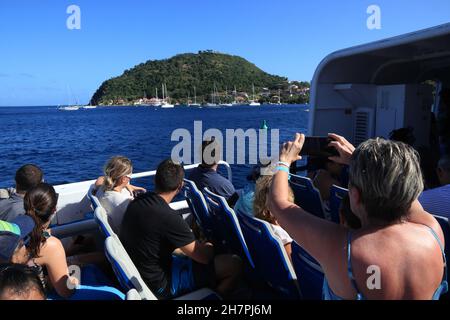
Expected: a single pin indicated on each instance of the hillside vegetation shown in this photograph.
(182, 73)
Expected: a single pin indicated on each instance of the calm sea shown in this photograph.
(72, 146)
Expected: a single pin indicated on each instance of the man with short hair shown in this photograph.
(206, 175)
(151, 231)
(20, 282)
(27, 177)
(437, 201)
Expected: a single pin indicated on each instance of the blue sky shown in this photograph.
(44, 63)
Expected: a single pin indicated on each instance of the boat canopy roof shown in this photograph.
(410, 58)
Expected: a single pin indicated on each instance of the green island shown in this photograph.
(205, 77)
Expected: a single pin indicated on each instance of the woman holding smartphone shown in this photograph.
(398, 252)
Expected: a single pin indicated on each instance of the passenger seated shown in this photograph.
(428, 160)
(151, 231)
(347, 217)
(115, 191)
(14, 236)
(400, 242)
(262, 211)
(46, 253)
(20, 282)
(244, 205)
(206, 175)
(437, 201)
(27, 177)
(325, 178)
(405, 135)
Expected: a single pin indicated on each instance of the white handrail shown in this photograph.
(73, 202)
(186, 168)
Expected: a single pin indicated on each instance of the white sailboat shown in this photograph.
(195, 104)
(155, 102)
(70, 107)
(164, 103)
(235, 103)
(226, 97)
(253, 103)
(213, 104)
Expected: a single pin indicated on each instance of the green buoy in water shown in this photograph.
(264, 125)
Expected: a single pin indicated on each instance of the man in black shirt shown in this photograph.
(163, 247)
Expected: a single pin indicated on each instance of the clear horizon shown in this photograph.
(44, 63)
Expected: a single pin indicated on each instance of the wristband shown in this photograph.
(283, 164)
(280, 168)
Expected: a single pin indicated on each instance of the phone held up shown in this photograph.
(318, 147)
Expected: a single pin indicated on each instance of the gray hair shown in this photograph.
(388, 175)
(444, 163)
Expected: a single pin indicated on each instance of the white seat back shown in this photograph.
(133, 295)
(101, 217)
(125, 269)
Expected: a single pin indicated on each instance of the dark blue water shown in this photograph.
(72, 146)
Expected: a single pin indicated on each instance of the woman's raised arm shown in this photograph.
(319, 237)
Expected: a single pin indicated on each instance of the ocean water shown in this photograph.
(72, 146)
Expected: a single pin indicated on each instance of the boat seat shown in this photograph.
(309, 273)
(199, 208)
(226, 226)
(75, 228)
(307, 196)
(130, 279)
(272, 262)
(101, 218)
(337, 194)
(94, 200)
(124, 268)
(133, 295)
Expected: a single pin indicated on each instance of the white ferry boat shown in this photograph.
(360, 92)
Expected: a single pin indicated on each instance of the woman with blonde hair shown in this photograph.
(116, 192)
(261, 210)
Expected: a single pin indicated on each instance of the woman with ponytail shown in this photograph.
(45, 251)
(115, 191)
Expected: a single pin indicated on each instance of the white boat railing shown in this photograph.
(186, 168)
(73, 202)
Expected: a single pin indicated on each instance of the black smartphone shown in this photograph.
(318, 147)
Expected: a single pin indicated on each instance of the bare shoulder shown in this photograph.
(52, 245)
(392, 251)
